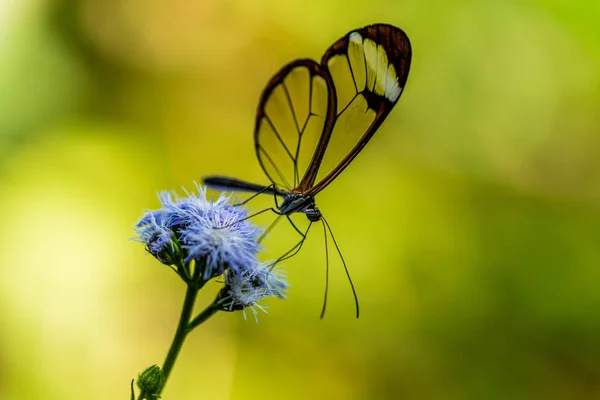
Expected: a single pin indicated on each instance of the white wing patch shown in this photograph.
(380, 75)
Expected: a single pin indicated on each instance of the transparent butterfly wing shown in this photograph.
(313, 119)
(293, 114)
(369, 68)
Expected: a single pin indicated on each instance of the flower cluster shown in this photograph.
(202, 239)
(245, 289)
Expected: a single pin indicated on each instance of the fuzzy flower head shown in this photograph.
(246, 289)
(212, 235)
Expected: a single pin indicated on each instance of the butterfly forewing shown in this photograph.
(369, 68)
(291, 119)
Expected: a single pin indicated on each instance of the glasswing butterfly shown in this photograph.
(315, 117)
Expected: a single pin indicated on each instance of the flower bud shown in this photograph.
(151, 381)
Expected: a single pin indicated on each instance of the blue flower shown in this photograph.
(213, 234)
(158, 238)
(246, 289)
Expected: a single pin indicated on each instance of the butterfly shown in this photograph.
(314, 118)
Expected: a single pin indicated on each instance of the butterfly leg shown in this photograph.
(294, 250)
(264, 234)
(265, 189)
(299, 245)
(296, 228)
(248, 217)
(275, 199)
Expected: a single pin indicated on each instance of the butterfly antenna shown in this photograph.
(247, 218)
(345, 267)
(326, 273)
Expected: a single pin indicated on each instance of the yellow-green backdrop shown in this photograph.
(470, 224)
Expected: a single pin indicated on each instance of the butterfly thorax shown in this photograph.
(297, 202)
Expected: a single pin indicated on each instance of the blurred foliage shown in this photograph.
(470, 224)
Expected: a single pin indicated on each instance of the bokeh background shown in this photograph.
(471, 222)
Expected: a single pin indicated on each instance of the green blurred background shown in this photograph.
(470, 224)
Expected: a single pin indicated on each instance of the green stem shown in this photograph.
(180, 334)
(182, 331)
(203, 316)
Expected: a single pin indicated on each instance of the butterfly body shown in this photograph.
(298, 202)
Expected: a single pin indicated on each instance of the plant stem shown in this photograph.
(182, 331)
(203, 316)
(180, 334)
